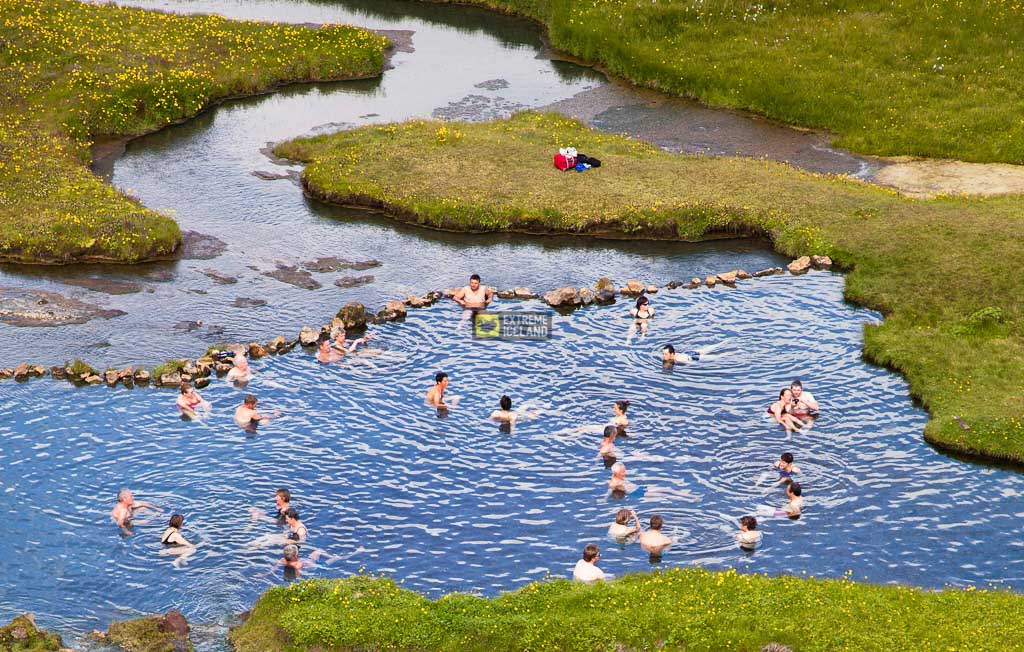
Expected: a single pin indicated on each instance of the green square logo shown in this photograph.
(487, 326)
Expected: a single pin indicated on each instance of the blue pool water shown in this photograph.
(455, 504)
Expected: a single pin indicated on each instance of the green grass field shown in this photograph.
(945, 272)
(679, 609)
(937, 79)
(74, 71)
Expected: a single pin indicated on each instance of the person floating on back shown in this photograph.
(586, 569)
(748, 537)
(786, 468)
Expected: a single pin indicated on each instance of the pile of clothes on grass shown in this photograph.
(568, 158)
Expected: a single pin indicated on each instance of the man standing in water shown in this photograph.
(804, 403)
(246, 415)
(125, 507)
(435, 395)
(473, 298)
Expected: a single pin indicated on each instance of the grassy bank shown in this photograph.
(945, 272)
(74, 71)
(677, 609)
(937, 79)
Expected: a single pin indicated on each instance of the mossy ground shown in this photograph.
(74, 71)
(679, 609)
(947, 272)
(22, 635)
(936, 79)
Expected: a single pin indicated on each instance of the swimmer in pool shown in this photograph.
(473, 298)
(342, 345)
(240, 372)
(246, 415)
(621, 529)
(172, 535)
(781, 412)
(620, 419)
(748, 537)
(435, 395)
(296, 530)
(325, 353)
(618, 480)
(125, 508)
(641, 314)
(291, 561)
(506, 413)
(805, 406)
(607, 450)
(669, 356)
(189, 401)
(795, 505)
(786, 468)
(653, 541)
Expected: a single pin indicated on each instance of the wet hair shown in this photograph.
(642, 301)
(657, 522)
(185, 387)
(291, 513)
(618, 466)
(668, 347)
(285, 495)
(590, 552)
(249, 400)
(505, 403)
(474, 277)
(611, 431)
(439, 376)
(796, 383)
(123, 493)
(622, 516)
(749, 522)
(323, 337)
(782, 392)
(796, 489)
(176, 521)
(622, 405)
(787, 458)
(291, 552)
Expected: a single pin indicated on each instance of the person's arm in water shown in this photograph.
(460, 297)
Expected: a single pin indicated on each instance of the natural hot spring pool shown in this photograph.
(457, 505)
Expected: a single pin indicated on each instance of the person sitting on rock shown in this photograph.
(341, 344)
(473, 298)
(189, 401)
(246, 415)
(240, 372)
(125, 508)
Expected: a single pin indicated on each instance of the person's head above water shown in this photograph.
(241, 362)
(621, 407)
(749, 522)
(291, 514)
(125, 496)
(177, 520)
(282, 497)
(291, 552)
(787, 458)
(441, 378)
(505, 402)
(797, 387)
(642, 300)
(591, 552)
(249, 401)
(795, 489)
(619, 470)
(474, 282)
(186, 388)
(610, 432)
(785, 394)
(622, 516)
(657, 522)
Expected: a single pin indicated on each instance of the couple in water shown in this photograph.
(328, 351)
(795, 409)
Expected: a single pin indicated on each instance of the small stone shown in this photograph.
(765, 272)
(93, 379)
(742, 274)
(172, 379)
(204, 365)
(6, 372)
(587, 296)
(56, 372)
(353, 281)
(175, 622)
(652, 289)
(276, 344)
(307, 336)
(189, 368)
(633, 287)
(202, 382)
(126, 374)
(605, 296)
(222, 368)
(416, 302)
(506, 294)
(256, 350)
(111, 376)
(728, 278)
(353, 316)
(604, 283)
(523, 293)
(450, 292)
(396, 307)
(142, 377)
(21, 371)
(711, 281)
(821, 262)
(694, 283)
(565, 296)
(800, 265)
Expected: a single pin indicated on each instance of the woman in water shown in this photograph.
(240, 373)
(781, 412)
(341, 344)
(641, 314)
(189, 401)
(506, 413)
(297, 531)
(620, 420)
(172, 535)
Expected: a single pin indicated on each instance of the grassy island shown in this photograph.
(74, 71)
(945, 272)
(679, 609)
(936, 79)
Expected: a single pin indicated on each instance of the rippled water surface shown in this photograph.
(455, 504)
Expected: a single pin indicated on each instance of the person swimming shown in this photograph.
(189, 401)
(172, 535)
(621, 529)
(342, 345)
(505, 413)
(781, 412)
(607, 450)
(795, 506)
(290, 560)
(617, 483)
(125, 509)
(246, 415)
(619, 417)
(326, 353)
(786, 468)
(641, 313)
(653, 541)
(435, 395)
(297, 531)
(240, 371)
(748, 537)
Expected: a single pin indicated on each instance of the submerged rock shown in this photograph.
(294, 276)
(353, 281)
(22, 634)
(221, 279)
(768, 272)
(353, 316)
(104, 285)
(167, 633)
(21, 307)
(333, 264)
(246, 302)
(198, 246)
(800, 265)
